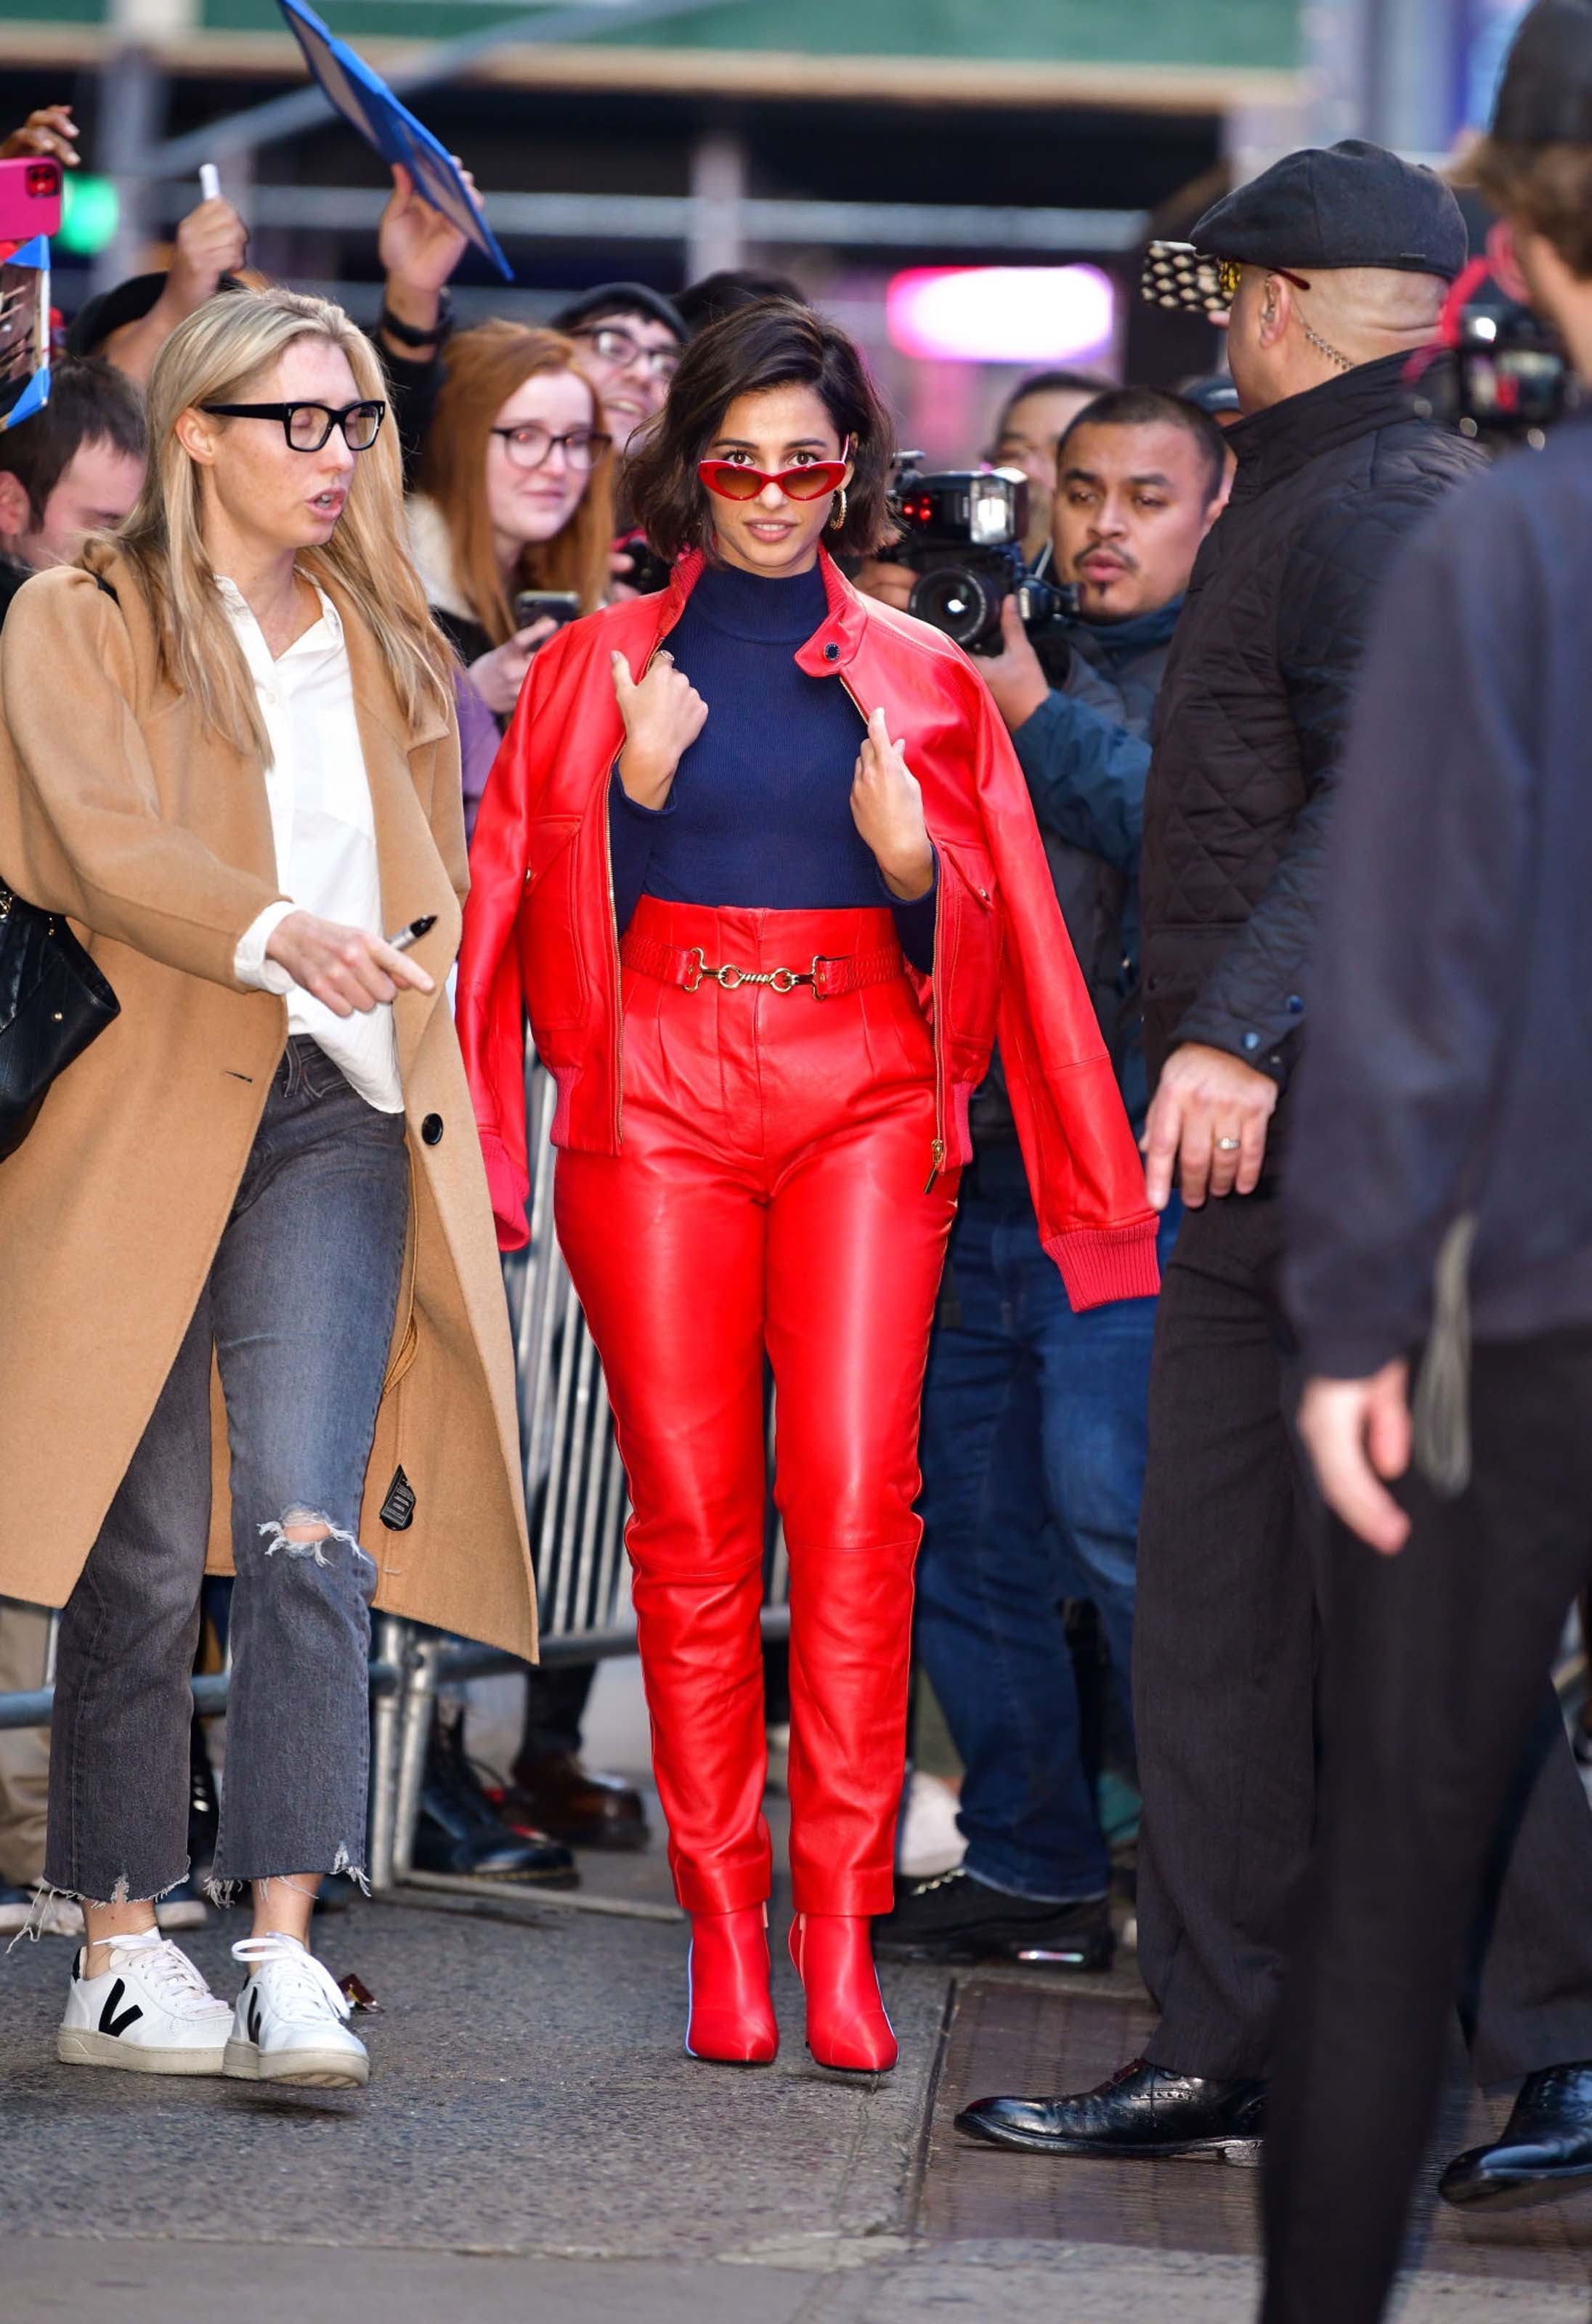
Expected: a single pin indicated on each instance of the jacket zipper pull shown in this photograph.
(937, 1153)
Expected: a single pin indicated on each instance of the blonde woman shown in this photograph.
(229, 756)
(516, 492)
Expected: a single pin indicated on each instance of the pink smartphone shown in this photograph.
(30, 199)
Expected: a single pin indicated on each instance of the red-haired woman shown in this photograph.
(760, 862)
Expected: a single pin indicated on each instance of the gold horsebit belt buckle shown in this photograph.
(778, 979)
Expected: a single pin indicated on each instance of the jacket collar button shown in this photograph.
(832, 653)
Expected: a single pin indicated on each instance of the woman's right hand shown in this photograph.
(498, 676)
(663, 716)
(347, 968)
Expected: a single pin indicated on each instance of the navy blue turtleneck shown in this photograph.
(760, 813)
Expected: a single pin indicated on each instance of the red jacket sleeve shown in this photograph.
(490, 1006)
(1083, 1167)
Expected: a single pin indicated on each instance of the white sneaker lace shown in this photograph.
(304, 1991)
(166, 1970)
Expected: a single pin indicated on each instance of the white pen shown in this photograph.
(413, 933)
(209, 182)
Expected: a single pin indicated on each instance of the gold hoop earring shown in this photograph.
(837, 522)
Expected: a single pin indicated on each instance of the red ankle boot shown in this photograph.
(846, 2028)
(731, 2015)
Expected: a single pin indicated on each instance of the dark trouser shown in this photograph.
(555, 1707)
(1435, 1717)
(1033, 1452)
(299, 1310)
(1224, 1692)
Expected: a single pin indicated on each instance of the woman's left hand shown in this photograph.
(886, 807)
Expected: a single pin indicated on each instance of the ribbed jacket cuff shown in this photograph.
(510, 1189)
(1099, 1264)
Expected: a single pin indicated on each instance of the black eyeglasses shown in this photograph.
(531, 445)
(307, 426)
(615, 345)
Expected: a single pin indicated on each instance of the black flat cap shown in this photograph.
(1325, 207)
(620, 299)
(1545, 97)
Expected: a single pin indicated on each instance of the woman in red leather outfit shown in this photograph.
(759, 861)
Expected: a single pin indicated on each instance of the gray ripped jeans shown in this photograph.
(299, 1309)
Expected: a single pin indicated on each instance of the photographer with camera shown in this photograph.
(1033, 1418)
(1438, 1202)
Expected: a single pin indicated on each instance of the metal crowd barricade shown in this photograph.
(576, 1505)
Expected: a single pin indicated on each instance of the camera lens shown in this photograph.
(956, 601)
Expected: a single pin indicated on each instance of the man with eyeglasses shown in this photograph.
(630, 340)
(1334, 267)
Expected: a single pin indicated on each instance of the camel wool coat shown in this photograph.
(122, 810)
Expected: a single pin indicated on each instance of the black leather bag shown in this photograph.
(53, 1002)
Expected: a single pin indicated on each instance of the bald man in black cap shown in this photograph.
(1441, 1260)
(1333, 268)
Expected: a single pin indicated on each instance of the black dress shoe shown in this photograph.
(460, 1830)
(957, 1917)
(1143, 2109)
(1545, 2152)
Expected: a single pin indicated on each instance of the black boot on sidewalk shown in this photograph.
(957, 1917)
(1545, 2151)
(460, 1830)
(1143, 2109)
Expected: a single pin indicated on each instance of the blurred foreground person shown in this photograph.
(1335, 263)
(1441, 1235)
(728, 821)
(1033, 1418)
(228, 756)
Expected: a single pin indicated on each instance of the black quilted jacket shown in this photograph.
(1251, 716)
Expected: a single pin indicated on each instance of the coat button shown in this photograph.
(1252, 1041)
(832, 653)
(431, 1130)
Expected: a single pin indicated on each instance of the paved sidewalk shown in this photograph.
(535, 2145)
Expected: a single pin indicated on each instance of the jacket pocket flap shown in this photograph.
(550, 836)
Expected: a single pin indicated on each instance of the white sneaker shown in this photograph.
(151, 2011)
(290, 2024)
(929, 1841)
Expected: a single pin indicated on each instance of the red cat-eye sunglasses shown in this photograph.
(733, 482)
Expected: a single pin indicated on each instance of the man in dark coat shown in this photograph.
(1334, 264)
(1437, 1199)
(1034, 1419)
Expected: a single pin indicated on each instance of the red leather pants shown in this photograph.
(769, 1194)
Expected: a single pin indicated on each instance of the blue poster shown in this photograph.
(367, 105)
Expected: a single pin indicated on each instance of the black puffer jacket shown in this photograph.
(1251, 716)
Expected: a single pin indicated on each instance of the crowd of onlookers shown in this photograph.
(1125, 1486)
(514, 439)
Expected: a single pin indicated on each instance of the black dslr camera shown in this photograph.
(961, 532)
(1498, 374)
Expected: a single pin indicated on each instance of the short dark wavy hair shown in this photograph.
(774, 343)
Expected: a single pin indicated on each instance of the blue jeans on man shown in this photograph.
(1033, 1451)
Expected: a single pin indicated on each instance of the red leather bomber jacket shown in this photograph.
(539, 934)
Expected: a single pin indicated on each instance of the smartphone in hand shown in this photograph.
(558, 606)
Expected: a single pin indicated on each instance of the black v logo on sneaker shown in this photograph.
(254, 2019)
(109, 2023)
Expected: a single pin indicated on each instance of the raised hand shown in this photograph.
(663, 715)
(886, 807)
